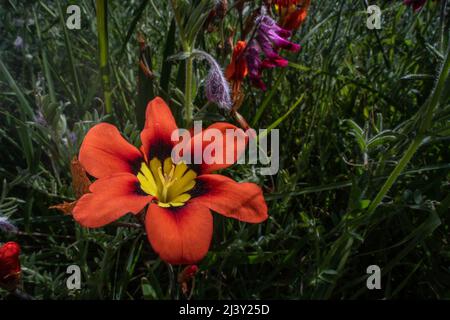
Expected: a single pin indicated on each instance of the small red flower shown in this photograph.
(179, 196)
(9, 265)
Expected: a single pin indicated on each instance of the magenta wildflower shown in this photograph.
(268, 28)
(254, 65)
(270, 38)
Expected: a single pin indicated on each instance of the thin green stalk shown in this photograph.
(277, 122)
(24, 105)
(45, 65)
(268, 97)
(102, 30)
(131, 29)
(187, 47)
(394, 175)
(442, 24)
(179, 24)
(188, 93)
(430, 106)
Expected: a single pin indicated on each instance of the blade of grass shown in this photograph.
(166, 68)
(45, 65)
(24, 105)
(268, 97)
(136, 17)
(70, 55)
(102, 33)
(281, 119)
(145, 90)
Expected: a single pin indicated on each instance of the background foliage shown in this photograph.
(361, 111)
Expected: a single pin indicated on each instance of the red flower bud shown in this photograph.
(185, 279)
(9, 265)
(188, 273)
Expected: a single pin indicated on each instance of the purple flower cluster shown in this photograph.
(270, 38)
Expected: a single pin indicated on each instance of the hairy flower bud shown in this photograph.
(216, 86)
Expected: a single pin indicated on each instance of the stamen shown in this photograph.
(166, 181)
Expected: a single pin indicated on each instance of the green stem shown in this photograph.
(443, 24)
(188, 93)
(179, 24)
(425, 124)
(102, 31)
(187, 48)
(394, 175)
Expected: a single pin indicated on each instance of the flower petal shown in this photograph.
(220, 154)
(241, 201)
(159, 125)
(105, 152)
(237, 69)
(110, 198)
(180, 235)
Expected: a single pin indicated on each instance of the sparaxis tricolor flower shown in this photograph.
(177, 196)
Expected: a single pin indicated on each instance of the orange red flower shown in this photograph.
(237, 70)
(292, 12)
(9, 265)
(178, 196)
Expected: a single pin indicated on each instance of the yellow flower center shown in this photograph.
(168, 182)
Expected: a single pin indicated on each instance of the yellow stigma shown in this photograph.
(168, 182)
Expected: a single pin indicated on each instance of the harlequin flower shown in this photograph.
(178, 196)
(415, 4)
(237, 70)
(9, 265)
